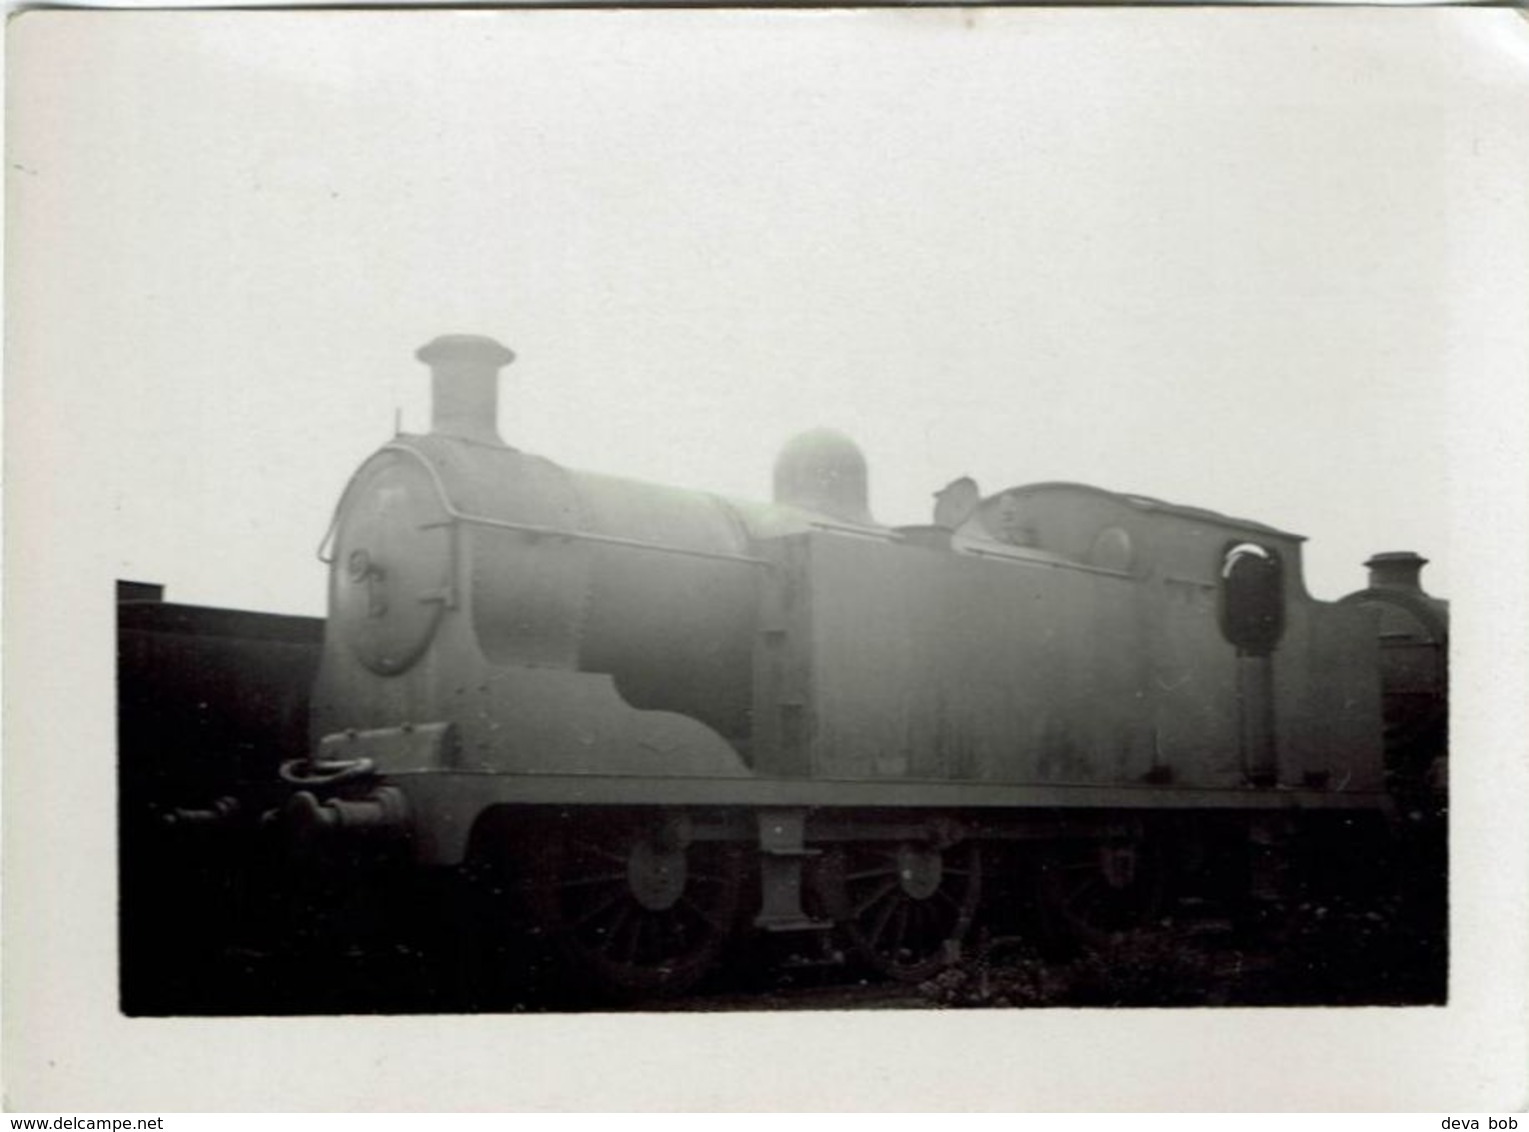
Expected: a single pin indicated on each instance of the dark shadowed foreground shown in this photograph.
(392, 946)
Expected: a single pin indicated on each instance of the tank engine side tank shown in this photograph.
(1096, 649)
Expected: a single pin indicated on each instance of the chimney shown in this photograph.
(1396, 570)
(464, 385)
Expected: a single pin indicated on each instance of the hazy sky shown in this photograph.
(1201, 256)
(1272, 262)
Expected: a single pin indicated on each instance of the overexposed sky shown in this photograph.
(1201, 256)
(1273, 262)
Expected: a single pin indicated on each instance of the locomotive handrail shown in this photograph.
(324, 543)
(1066, 564)
(460, 516)
(590, 536)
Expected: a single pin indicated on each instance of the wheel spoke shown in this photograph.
(707, 917)
(593, 849)
(904, 911)
(1081, 892)
(1085, 905)
(630, 933)
(593, 879)
(905, 923)
(632, 914)
(608, 943)
(880, 924)
(881, 890)
(614, 900)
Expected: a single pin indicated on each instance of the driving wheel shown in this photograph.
(635, 905)
(1092, 892)
(907, 905)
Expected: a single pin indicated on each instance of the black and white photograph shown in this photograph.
(984, 542)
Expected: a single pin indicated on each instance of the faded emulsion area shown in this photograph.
(566, 741)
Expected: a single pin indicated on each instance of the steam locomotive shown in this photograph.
(661, 718)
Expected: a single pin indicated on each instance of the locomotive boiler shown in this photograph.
(663, 717)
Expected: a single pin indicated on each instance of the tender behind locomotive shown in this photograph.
(643, 703)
